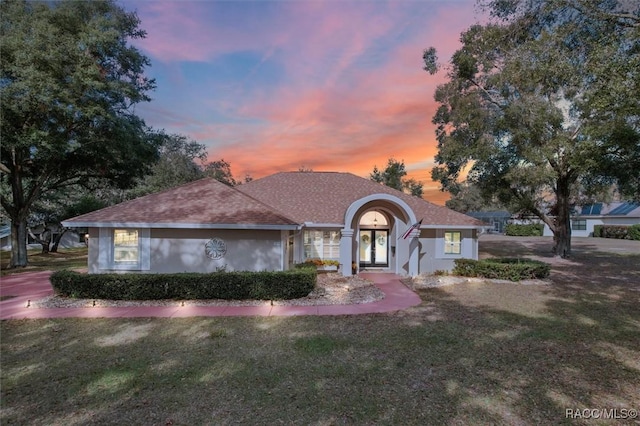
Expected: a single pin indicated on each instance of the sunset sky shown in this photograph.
(278, 85)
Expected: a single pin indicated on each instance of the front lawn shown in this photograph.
(469, 354)
(65, 258)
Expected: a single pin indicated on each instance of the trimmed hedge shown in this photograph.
(620, 232)
(282, 285)
(513, 269)
(528, 230)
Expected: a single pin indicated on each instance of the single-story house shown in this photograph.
(276, 222)
(71, 238)
(496, 221)
(586, 217)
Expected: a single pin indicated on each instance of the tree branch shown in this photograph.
(8, 207)
(619, 18)
(530, 206)
(487, 94)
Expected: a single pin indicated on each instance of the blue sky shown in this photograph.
(278, 85)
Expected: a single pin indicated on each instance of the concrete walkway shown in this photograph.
(18, 292)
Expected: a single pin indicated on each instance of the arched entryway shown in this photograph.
(370, 240)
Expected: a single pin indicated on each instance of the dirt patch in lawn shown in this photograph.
(597, 268)
(601, 262)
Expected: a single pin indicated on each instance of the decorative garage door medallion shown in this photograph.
(215, 248)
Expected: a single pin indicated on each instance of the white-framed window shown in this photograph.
(126, 246)
(579, 224)
(323, 245)
(127, 249)
(453, 242)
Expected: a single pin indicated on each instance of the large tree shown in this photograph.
(541, 108)
(469, 198)
(69, 81)
(220, 170)
(394, 175)
(181, 160)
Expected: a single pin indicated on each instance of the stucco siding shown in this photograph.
(592, 222)
(183, 250)
(92, 261)
(432, 257)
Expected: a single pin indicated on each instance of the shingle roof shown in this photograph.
(324, 197)
(281, 200)
(203, 202)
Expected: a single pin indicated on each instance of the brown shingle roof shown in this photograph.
(203, 202)
(280, 200)
(323, 197)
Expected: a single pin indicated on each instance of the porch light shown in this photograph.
(375, 219)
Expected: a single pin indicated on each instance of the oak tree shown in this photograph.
(69, 82)
(541, 107)
(181, 160)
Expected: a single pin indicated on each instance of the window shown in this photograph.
(322, 245)
(126, 247)
(123, 249)
(579, 224)
(452, 242)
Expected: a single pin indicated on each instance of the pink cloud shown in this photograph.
(353, 92)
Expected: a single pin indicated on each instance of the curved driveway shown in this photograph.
(19, 291)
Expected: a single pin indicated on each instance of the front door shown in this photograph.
(374, 247)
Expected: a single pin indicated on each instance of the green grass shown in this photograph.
(469, 354)
(65, 258)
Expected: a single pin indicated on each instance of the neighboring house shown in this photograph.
(586, 217)
(275, 222)
(71, 238)
(5, 237)
(496, 221)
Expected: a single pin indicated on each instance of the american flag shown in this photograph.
(411, 228)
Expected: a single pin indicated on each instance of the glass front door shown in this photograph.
(374, 247)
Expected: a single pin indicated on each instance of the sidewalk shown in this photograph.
(17, 290)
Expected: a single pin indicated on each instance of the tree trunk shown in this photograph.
(18, 243)
(56, 241)
(42, 240)
(562, 230)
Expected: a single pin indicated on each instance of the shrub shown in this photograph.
(281, 285)
(320, 262)
(597, 231)
(513, 269)
(620, 232)
(521, 230)
(317, 263)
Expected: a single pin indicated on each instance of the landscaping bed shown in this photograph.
(279, 285)
(506, 268)
(330, 289)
